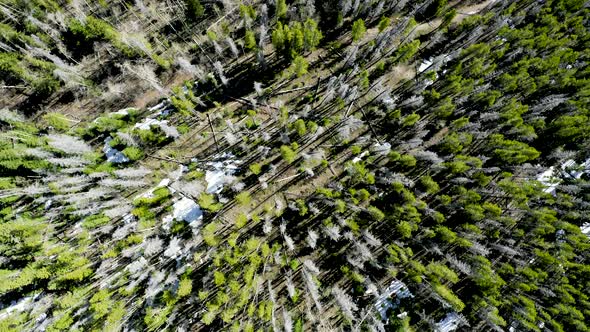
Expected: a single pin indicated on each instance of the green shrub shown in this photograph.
(57, 120)
(384, 22)
(312, 126)
(298, 67)
(358, 29)
(243, 198)
(288, 154)
(11, 69)
(101, 303)
(249, 40)
(241, 220)
(82, 36)
(95, 221)
(109, 123)
(363, 195)
(512, 152)
(185, 287)
(194, 9)
(429, 185)
(133, 153)
(159, 195)
(219, 278)
(154, 136)
(207, 202)
(407, 160)
(301, 206)
(449, 296)
(376, 213)
(196, 174)
(300, 128)
(255, 168)
(410, 120)
(339, 206)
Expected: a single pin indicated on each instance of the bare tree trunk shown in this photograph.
(213, 131)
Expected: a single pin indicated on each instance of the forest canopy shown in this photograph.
(294, 165)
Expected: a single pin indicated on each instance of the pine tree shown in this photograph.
(194, 9)
(358, 29)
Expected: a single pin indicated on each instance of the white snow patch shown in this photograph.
(381, 149)
(16, 306)
(113, 155)
(175, 175)
(186, 209)
(167, 222)
(163, 183)
(360, 157)
(550, 181)
(124, 111)
(424, 65)
(146, 124)
(450, 323)
(127, 218)
(159, 106)
(221, 173)
(396, 289)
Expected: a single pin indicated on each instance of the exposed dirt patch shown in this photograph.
(466, 11)
(436, 138)
(399, 73)
(152, 95)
